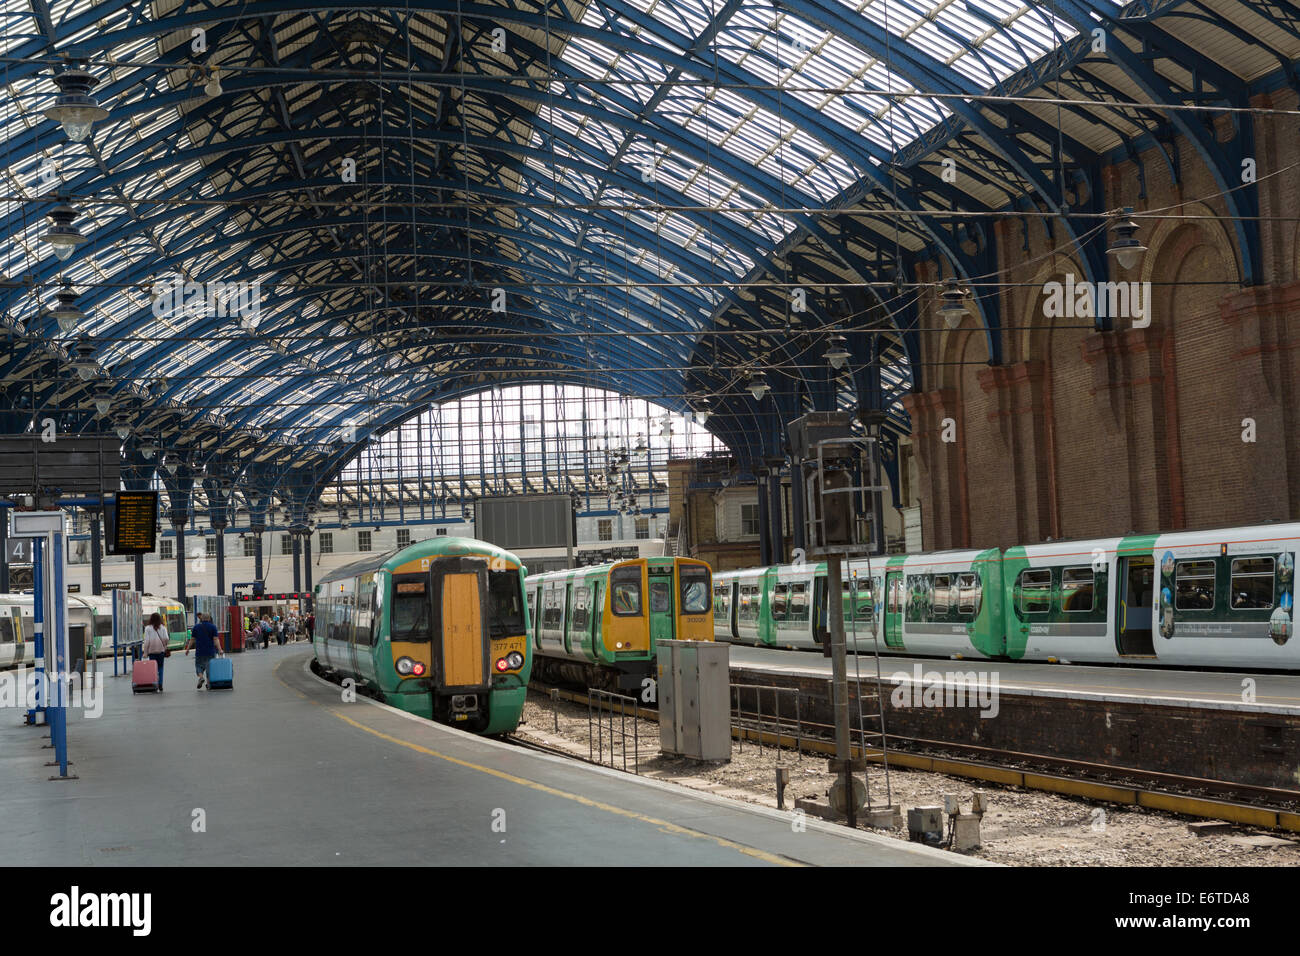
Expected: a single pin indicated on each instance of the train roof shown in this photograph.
(428, 548)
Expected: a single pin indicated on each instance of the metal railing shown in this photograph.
(790, 725)
(602, 707)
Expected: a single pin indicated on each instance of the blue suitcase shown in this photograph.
(221, 673)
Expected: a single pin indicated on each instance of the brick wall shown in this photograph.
(1080, 432)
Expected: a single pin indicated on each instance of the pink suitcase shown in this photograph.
(144, 676)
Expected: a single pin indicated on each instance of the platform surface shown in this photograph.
(1272, 692)
(280, 771)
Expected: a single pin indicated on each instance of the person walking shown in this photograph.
(155, 644)
(207, 645)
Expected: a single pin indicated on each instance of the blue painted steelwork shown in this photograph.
(699, 91)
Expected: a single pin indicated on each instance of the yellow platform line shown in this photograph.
(664, 825)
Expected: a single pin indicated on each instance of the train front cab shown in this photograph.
(458, 640)
(652, 601)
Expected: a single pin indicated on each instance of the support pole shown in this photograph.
(96, 553)
(774, 513)
(180, 561)
(797, 494)
(4, 550)
(840, 678)
(297, 562)
(306, 567)
(764, 529)
(221, 560)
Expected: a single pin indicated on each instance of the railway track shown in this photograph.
(1248, 805)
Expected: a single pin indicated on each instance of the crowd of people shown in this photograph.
(283, 630)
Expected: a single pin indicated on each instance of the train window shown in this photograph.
(863, 595)
(6, 628)
(695, 589)
(660, 597)
(780, 601)
(410, 615)
(176, 622)
(749, 603)
(580, 598)
(721, 601)
(1252, 583)
(968, 594)
(798, 602)
(1078, 590)
(103, 625)
(625, 585)
(918, 600)
(942, 593)
(505, 603)
(895, 595)
(1035, 589)
(1194, 584)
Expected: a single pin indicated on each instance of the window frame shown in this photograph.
(1021, 603)
(1214, 587)
(620, 578)
(1092, 585)
(1272, 580)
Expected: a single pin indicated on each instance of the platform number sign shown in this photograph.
(18, 551)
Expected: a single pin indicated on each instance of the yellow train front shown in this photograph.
(438, 629)
(600, 626)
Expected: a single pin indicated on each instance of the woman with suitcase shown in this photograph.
(155, 644)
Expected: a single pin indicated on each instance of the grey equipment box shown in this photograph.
(694, 690)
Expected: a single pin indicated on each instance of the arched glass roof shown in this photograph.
(442, 197)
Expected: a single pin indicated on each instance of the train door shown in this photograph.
(569, 611)
(20, 639)
(597, 615)
(894, 608)
(536, 611)
(1134, 596)
(661, 608)
(458, 589)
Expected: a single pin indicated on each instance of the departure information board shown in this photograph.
(135, 523)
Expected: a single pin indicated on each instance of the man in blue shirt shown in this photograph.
(206, 646)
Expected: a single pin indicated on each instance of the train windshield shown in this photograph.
(695, 589)
(505, 603)
(410, 613)
(176, 622)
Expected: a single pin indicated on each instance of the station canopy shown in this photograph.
(406, 203)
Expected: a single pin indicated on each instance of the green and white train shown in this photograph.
(1217, 598)
(438, 629)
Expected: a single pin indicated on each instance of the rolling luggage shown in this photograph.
(221, 673)
(144, 676)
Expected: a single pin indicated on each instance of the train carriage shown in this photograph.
(1212, 598)
(602, 624)
(438, 629)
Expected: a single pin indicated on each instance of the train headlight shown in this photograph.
(417, 670)
(515, 660)
(405, 666)
(503, 664)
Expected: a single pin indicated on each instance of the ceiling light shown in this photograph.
(66, 311)
(123, 429)
(213, 87)
(758, 386)
(1126, 248)
(83, 361)
(74, 108)
(837, 354)
(62, 234)
(953, 309)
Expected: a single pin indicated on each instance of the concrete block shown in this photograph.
(1204, 828)
(965, 832)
